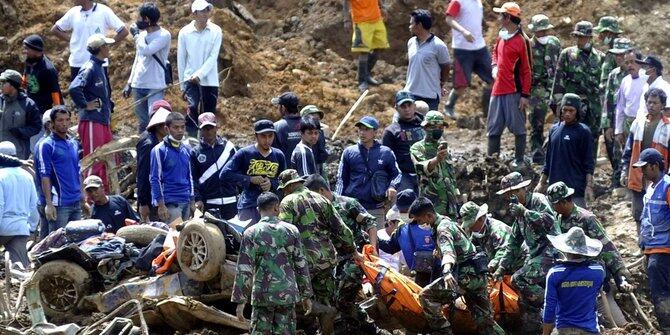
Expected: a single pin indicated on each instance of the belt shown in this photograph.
(221, 201)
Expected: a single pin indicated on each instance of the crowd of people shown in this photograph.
(395, 189)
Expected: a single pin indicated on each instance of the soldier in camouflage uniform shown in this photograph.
(460, 274)
(272, 271)
(608, 31)
(437, 180)
(322, 232)
(546, 49)
(578, 71)
(614, 150)
(363, 226)
(489, 235)
(534, 219)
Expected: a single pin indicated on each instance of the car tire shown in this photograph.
(201, 250)
(61, 285)
(140, 235)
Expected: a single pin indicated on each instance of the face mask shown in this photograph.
(642, 72)
(543, 40)
(173, 140)
(436, 134)
(587, 46)
(480, 233)
(607, 40)
(505, 35)
(141, 25)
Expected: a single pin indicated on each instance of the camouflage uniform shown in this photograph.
(545, 57)
(495, 240)
(578, 71)
(322, 232)
(347, 273)
(611, 24)
(587, 221)
(272, 269)
(455, 247)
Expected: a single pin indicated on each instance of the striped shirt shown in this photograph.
(302, 160)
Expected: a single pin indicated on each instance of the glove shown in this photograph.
(498, 275)
(517, 210)
(126, 91)
(15, 132)
(134, 30)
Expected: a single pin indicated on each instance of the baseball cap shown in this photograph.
(46, 117)
(158, 104)
(34, 42)
(200, 5)
(393, 214)
(368, 122)
(264, 126)
(404, 200)
(403, 96)
(96, 41)
(92, 181)
(511, 8)
(648, 156)
(288, 99)
(206, 119)
(7, 148)
(652, 61)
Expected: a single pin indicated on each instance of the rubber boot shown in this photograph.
(493, 145)
(372, 60)
(449, 106)
(363, 74)
(519, 149)
(486, 100)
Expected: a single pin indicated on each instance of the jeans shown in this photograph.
(658, 276)
(65, 214)
(142, 109)
(182, 211)
(16, 246)
(44, 223)
(200, 99)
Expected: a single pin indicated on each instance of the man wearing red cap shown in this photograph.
(512, 81)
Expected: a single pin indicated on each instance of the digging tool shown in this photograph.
(644, 316)
(636, 263)
(351, 112)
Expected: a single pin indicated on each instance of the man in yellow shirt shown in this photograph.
(369, 35)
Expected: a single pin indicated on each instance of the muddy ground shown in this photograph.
(300, 45)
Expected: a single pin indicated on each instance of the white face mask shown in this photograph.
(607, 40)
(543, 40)
(505, 35)
(481, 233)
(642, 72)
(586, 46)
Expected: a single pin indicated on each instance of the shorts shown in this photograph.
(369, 36)
(467, 61)
(504, 112)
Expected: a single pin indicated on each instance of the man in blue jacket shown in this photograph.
(207, 161)
(255, 169)
(287, 130)
(573, 285)
(368, 171)
(655, 233)
(171, 178)
(90, 93)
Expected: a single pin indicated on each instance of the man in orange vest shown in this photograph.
(369, 36)
(650, 132)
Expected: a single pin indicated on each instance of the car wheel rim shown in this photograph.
(197, 244)
(59, 292)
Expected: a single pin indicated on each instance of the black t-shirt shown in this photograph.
(114, 213)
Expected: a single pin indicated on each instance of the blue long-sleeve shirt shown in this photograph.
(60, 163)
(569, 156)
(171, 178)
(570, 295)
(356, 168)
(248, 162)
(400, 240)
(18, 202)
(91, 84)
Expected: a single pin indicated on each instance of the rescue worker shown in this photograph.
(608, 31)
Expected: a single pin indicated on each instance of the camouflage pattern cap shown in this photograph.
(583, 28)
(11, 76)
(620, 46)
(470, 212)
(576, 242)
(540, 22)
(288, 177)
(311, 109)
(559, 191)
(434, 118)
(512, 181)
(608, 23)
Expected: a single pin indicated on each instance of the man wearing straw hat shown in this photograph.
(573, 285)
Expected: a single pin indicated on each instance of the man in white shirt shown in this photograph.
(628, 96)
(85, 19)
(465, 17)
(198, 47)
(654, 70)
(147, 78)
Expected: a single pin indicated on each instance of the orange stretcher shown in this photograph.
(400, 295)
